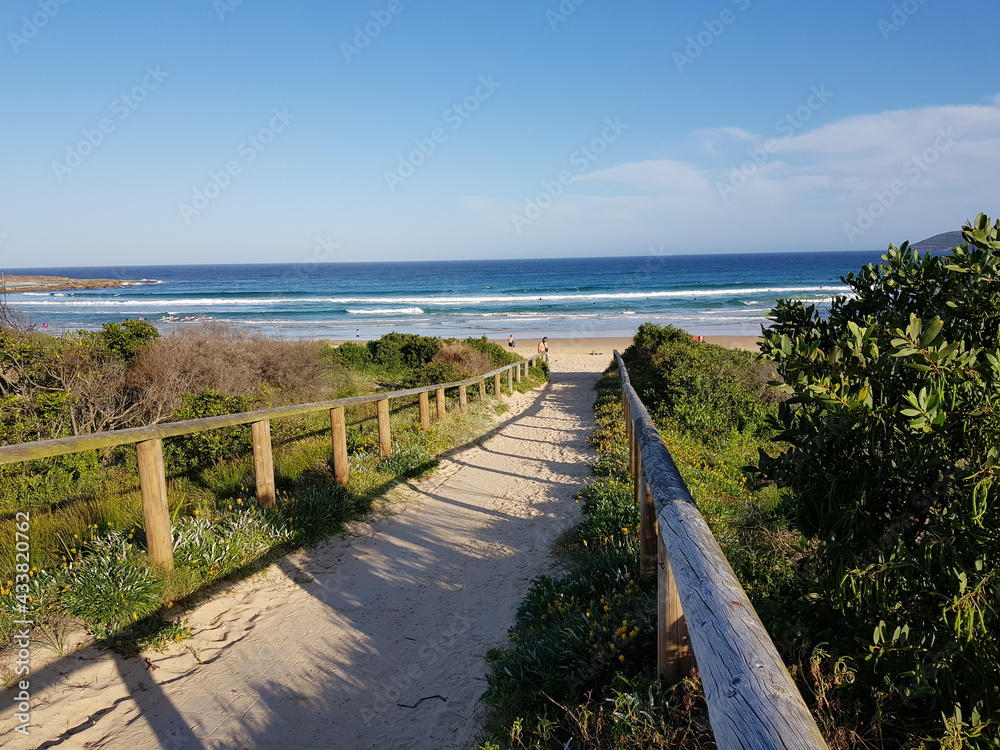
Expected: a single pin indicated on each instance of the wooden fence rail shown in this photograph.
(149, 444)
(704, 613)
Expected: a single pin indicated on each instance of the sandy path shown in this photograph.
(319, 650)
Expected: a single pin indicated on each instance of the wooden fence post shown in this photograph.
(338, 434)
(263, 462)
(649, 532)
(463, 398)
(482, 389)
(496, 386)
(510, 381)
(439, 397)
(517, 372)
(155, 512)
(634, 450)
(425, 411)
(384, 430)
(673, 644)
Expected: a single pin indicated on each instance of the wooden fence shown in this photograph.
(149, 443)
(704, 613)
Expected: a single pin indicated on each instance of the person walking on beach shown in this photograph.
(543, 347)
(357, 334)
(510, 341)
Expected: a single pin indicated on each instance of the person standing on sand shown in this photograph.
(543, 347)
(510, 341)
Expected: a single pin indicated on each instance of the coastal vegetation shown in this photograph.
(88, 562)
(855, 498)
(893, 430)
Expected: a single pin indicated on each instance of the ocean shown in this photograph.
(571, 297)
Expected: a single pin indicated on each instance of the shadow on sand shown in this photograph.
(284, 687)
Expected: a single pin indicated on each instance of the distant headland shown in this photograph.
(12, 283)
(943, 241)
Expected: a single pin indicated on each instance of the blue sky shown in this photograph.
(254, 131)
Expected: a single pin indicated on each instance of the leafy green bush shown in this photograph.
(197, 452)
(707, 390)
(894, 424)
(353, 355)
(435, 372)
(395, 353)
(126, 339)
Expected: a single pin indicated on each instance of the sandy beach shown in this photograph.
(373, 639)
(605, 345)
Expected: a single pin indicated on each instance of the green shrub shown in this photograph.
(197, 452)
(705, 389)
(124, 340)
(893, 424)
(395, 353)
(435, 372)
(353, 355)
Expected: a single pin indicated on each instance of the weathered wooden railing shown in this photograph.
(704, 612)
(149, 443)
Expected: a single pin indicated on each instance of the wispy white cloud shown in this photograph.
(710, 138)
(804, 188)
(661, 176)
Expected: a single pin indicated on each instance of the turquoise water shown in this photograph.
(704, 294)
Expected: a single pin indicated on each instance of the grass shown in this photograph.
(88, 556)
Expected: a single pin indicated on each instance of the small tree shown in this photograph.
(125, 340)
(894, 426)
(12, 319)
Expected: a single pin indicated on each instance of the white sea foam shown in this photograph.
(387, 311)
(427, 301)
(583, 297)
